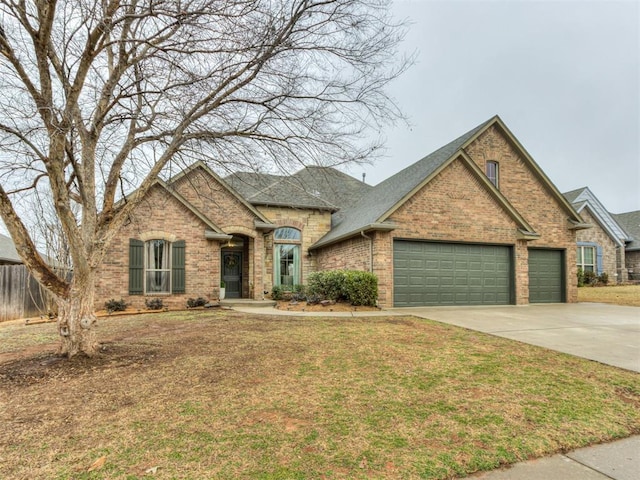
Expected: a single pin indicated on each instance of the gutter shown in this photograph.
(382, 227)
(211, 235)
(370, 250)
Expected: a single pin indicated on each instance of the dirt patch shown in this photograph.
(327, 307)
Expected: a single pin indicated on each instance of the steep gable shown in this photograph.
(212, 196)
(582, 198)
(630, 221)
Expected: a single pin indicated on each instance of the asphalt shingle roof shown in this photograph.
(312, 187)
(384, 196)
(630, 221)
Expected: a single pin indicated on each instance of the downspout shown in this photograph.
(370, 250)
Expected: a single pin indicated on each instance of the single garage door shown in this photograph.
(429, 273)
(546, 276)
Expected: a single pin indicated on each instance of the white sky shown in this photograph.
(563, 75)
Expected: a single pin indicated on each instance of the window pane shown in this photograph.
(288, 261)
(579, 254)
(492, 172)
(588, 255)
(158, 281)
(287, 233)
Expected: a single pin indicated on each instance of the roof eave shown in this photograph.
(210, 235)
(574, 225)
(379, 227)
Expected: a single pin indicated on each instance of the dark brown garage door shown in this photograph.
(430, 273)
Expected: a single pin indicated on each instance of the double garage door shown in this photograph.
(430, 273)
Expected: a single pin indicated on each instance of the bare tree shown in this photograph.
(98, 98)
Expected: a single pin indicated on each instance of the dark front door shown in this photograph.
(232, 273)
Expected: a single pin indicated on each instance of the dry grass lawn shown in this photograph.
(618, 294)
(195, 395)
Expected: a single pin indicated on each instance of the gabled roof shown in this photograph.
(375, 207)
(201, 165)
(630, 221)
(582, 198)
(315, 187)
(8, 252)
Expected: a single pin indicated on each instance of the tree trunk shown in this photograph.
(76, 318)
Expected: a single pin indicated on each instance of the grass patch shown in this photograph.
(617, 294)
(227, 395)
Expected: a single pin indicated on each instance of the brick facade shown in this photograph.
(454, 206)
(610, 251)
(161, 216)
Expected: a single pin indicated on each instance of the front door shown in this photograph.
(232, 273)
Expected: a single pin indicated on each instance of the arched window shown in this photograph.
(286, 257)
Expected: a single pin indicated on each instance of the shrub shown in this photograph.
(277, 292)
(197, 302)
(361, 288)
(154, 303)
(590, 278)
(115, 305)
(299, 293)
(580, 277)
(353, 286)
(329, 284)
(603, 278)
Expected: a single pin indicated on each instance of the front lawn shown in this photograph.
(618, 294)
(199, 395)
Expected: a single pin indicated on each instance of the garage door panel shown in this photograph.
(451, 274)
(546, 276)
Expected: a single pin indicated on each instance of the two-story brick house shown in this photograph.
(476, 222)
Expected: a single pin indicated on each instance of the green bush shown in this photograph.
(114, 305)
(603, 278)
(277, 292)
(580, 277)
(361, 288)
(353, 286)
(590, 278)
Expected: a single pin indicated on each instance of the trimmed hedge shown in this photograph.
(353, 286)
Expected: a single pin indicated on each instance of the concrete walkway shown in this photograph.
(609, 334)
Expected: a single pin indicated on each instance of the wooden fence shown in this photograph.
(20, 295)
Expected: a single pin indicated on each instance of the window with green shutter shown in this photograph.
(156, 266)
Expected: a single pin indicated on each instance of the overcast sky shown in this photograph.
(563, 75)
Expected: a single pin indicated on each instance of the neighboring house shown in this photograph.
(630, 221)
(476, 222)
(8, 252)
(600, 249)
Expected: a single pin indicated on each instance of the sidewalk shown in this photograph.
(619, 460)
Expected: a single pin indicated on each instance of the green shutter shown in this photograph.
(136, 267)
(177, 267)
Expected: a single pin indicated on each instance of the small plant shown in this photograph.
(314, 299)
(154, 304)
(590, 278)
(580, 277)
(196, 302)
(114, 305)
(223, 284)
(603, 278)
(277, 292)
(298, 294)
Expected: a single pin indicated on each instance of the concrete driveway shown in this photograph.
(606, 333)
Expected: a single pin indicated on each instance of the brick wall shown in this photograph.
(161, 216)
(599, 236)
(313, 224)
(531, 198)
(454, 206)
